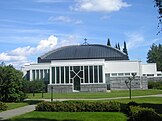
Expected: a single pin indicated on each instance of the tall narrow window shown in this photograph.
(45, 75)
(53, 75)
(48, 74)
(95, 74)
(33, 74)
(67, 74)
(37, 72)
(62, 75)
(91, 73)
(57, 75)
(86, 74)
(41, 74)
(100, 74)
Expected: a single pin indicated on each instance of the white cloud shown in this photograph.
(64, 19)
(43, 45)
(70, 40)
(21, 55)
(8, 57)
(136, 40)
(99, 5)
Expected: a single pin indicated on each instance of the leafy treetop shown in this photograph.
(154, 55)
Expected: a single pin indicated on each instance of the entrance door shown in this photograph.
(76, 75)
(76, 83)
(107, 78)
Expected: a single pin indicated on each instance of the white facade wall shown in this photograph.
(109, 67)
(123, 67)
(149, 69)
(43, 66)
(77, 62)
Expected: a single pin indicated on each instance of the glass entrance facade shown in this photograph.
(77, 75)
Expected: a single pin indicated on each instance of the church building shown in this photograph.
(89, 68)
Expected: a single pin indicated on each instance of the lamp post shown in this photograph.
(51, 94)
(42, 94)
(129, 84)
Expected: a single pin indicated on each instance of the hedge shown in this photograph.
(3, 106)
(74, 106)
(143, 114)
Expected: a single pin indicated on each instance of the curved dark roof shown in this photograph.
(83, 52)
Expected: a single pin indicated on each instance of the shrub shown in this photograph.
(3, 106)
(143, 114)
(155, 85)
(132, 103)
(74, 106)
(125, 108)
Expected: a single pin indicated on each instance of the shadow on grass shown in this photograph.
(157, 107)
(32, 102)
(39, 119)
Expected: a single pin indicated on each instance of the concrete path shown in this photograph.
(158, 95)
(15, 112)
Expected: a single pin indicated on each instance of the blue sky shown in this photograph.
(30, 28)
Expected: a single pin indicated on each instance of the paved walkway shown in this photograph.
(15, 112)
(22, 110)
(158, 95)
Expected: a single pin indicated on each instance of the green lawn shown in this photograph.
(152, 100)
(114, 93)
(71, 116)
(15, 105)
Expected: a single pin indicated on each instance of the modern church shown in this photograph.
(89, 68)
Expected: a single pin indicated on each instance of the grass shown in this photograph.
(15, 105)
(84, 95)
(71, 116)
(152, 100)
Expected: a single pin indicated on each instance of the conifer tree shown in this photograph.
(108, 42)
(125, 48)
(118, 46)
(154, 55)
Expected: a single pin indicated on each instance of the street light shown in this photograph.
(51, 94)
(129, 83)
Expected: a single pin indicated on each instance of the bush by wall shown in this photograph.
(74, 106)
(155, 85)
(143, 114)
(3, 106)
(125, 108)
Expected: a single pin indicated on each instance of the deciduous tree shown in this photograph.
(11, 84)
(34, 86)
(154, 55)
